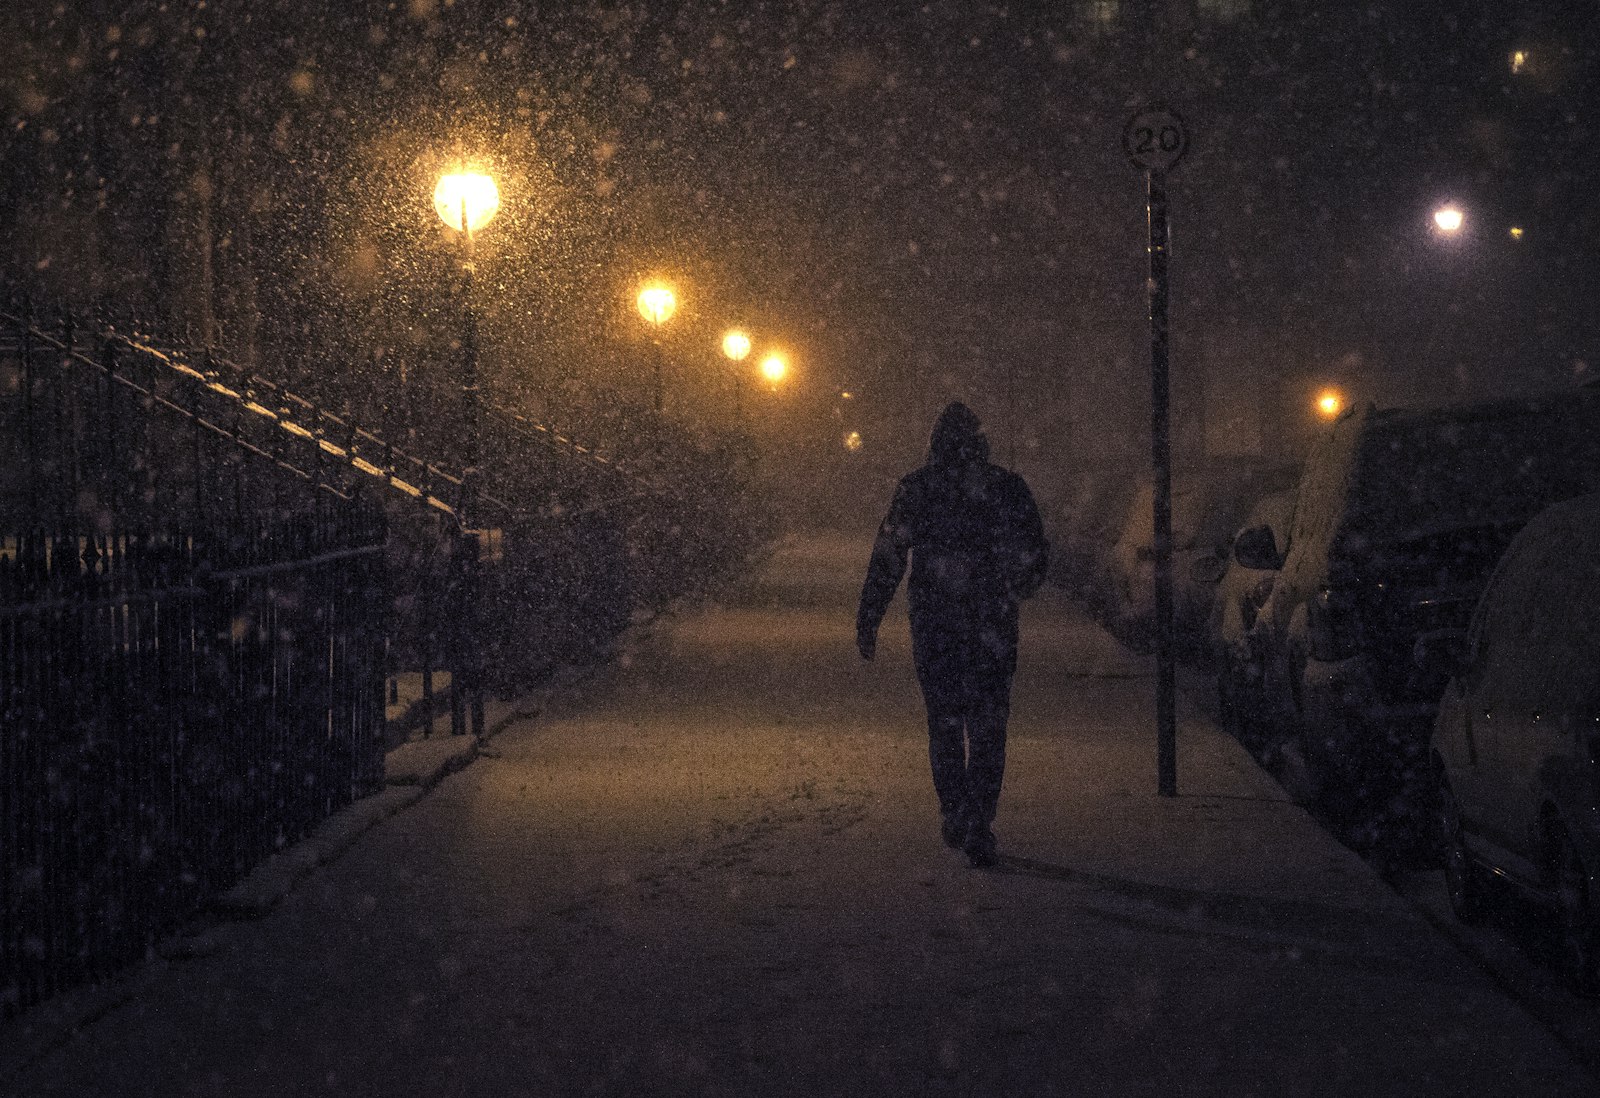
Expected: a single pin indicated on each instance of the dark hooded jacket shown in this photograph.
(973, 533)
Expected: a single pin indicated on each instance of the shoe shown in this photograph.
(980, 845)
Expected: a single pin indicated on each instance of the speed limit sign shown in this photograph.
(1155, 139)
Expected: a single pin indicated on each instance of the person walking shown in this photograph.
(977, 548)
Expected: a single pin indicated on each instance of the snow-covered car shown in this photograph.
(1401, 516)
(1094, 517)
(1516, 744)
(1208, 503)
(1252, 566)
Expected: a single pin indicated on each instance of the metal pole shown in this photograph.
(1161, 462)
(29, 430)
(469, 362)
(466, 687)
(659, 395)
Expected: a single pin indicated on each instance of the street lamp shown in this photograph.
(466, 201)
(774, 368)
(1330, 402)
(736, 348)
(1449, 219)
(657, 304)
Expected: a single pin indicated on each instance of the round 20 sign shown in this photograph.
(1155, 139)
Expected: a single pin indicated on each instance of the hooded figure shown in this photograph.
(977, 548)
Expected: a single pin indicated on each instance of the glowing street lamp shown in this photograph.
(466, 201)
(657, 304)
(774, 368)
(736, 348)
(1330, 402)
(1449, 219)
(736, 345)
(852, 442)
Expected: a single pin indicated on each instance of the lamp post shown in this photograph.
(466, 201)
(1452, 244)
(657, 304)
(736, 348)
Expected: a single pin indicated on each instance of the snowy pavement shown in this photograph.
(718, 872)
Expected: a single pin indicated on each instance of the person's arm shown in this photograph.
(884, 571)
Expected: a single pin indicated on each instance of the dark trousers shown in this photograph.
(965, 673)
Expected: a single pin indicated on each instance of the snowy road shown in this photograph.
(719, 873)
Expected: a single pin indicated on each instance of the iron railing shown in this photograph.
(192, 633)
(205, 576)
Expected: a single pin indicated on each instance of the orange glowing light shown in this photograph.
(466, 201)
(657, 303)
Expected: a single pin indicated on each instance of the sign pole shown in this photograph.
(1155, 140)
(1161, 467)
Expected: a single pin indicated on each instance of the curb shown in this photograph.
(410, 770)
(273, 879)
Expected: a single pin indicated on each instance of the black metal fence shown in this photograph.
(192, 636)
(203, 580)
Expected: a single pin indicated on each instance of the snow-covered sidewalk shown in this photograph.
(718, 872)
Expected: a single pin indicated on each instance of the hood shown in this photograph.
(956, 438)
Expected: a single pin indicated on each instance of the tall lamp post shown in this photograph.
(1450, 230)
(657, 304)
(466, 201)
(736, 348)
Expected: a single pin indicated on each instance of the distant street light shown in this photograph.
(1330, 402)
(852, 441)
(736, 348)
(1448, 219)
(774, 368)
(657, 304)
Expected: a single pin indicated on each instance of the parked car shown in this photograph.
(1208, 503)
(1251, 567)
(1401, 515)
(1093, 519)
(1516, 744)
